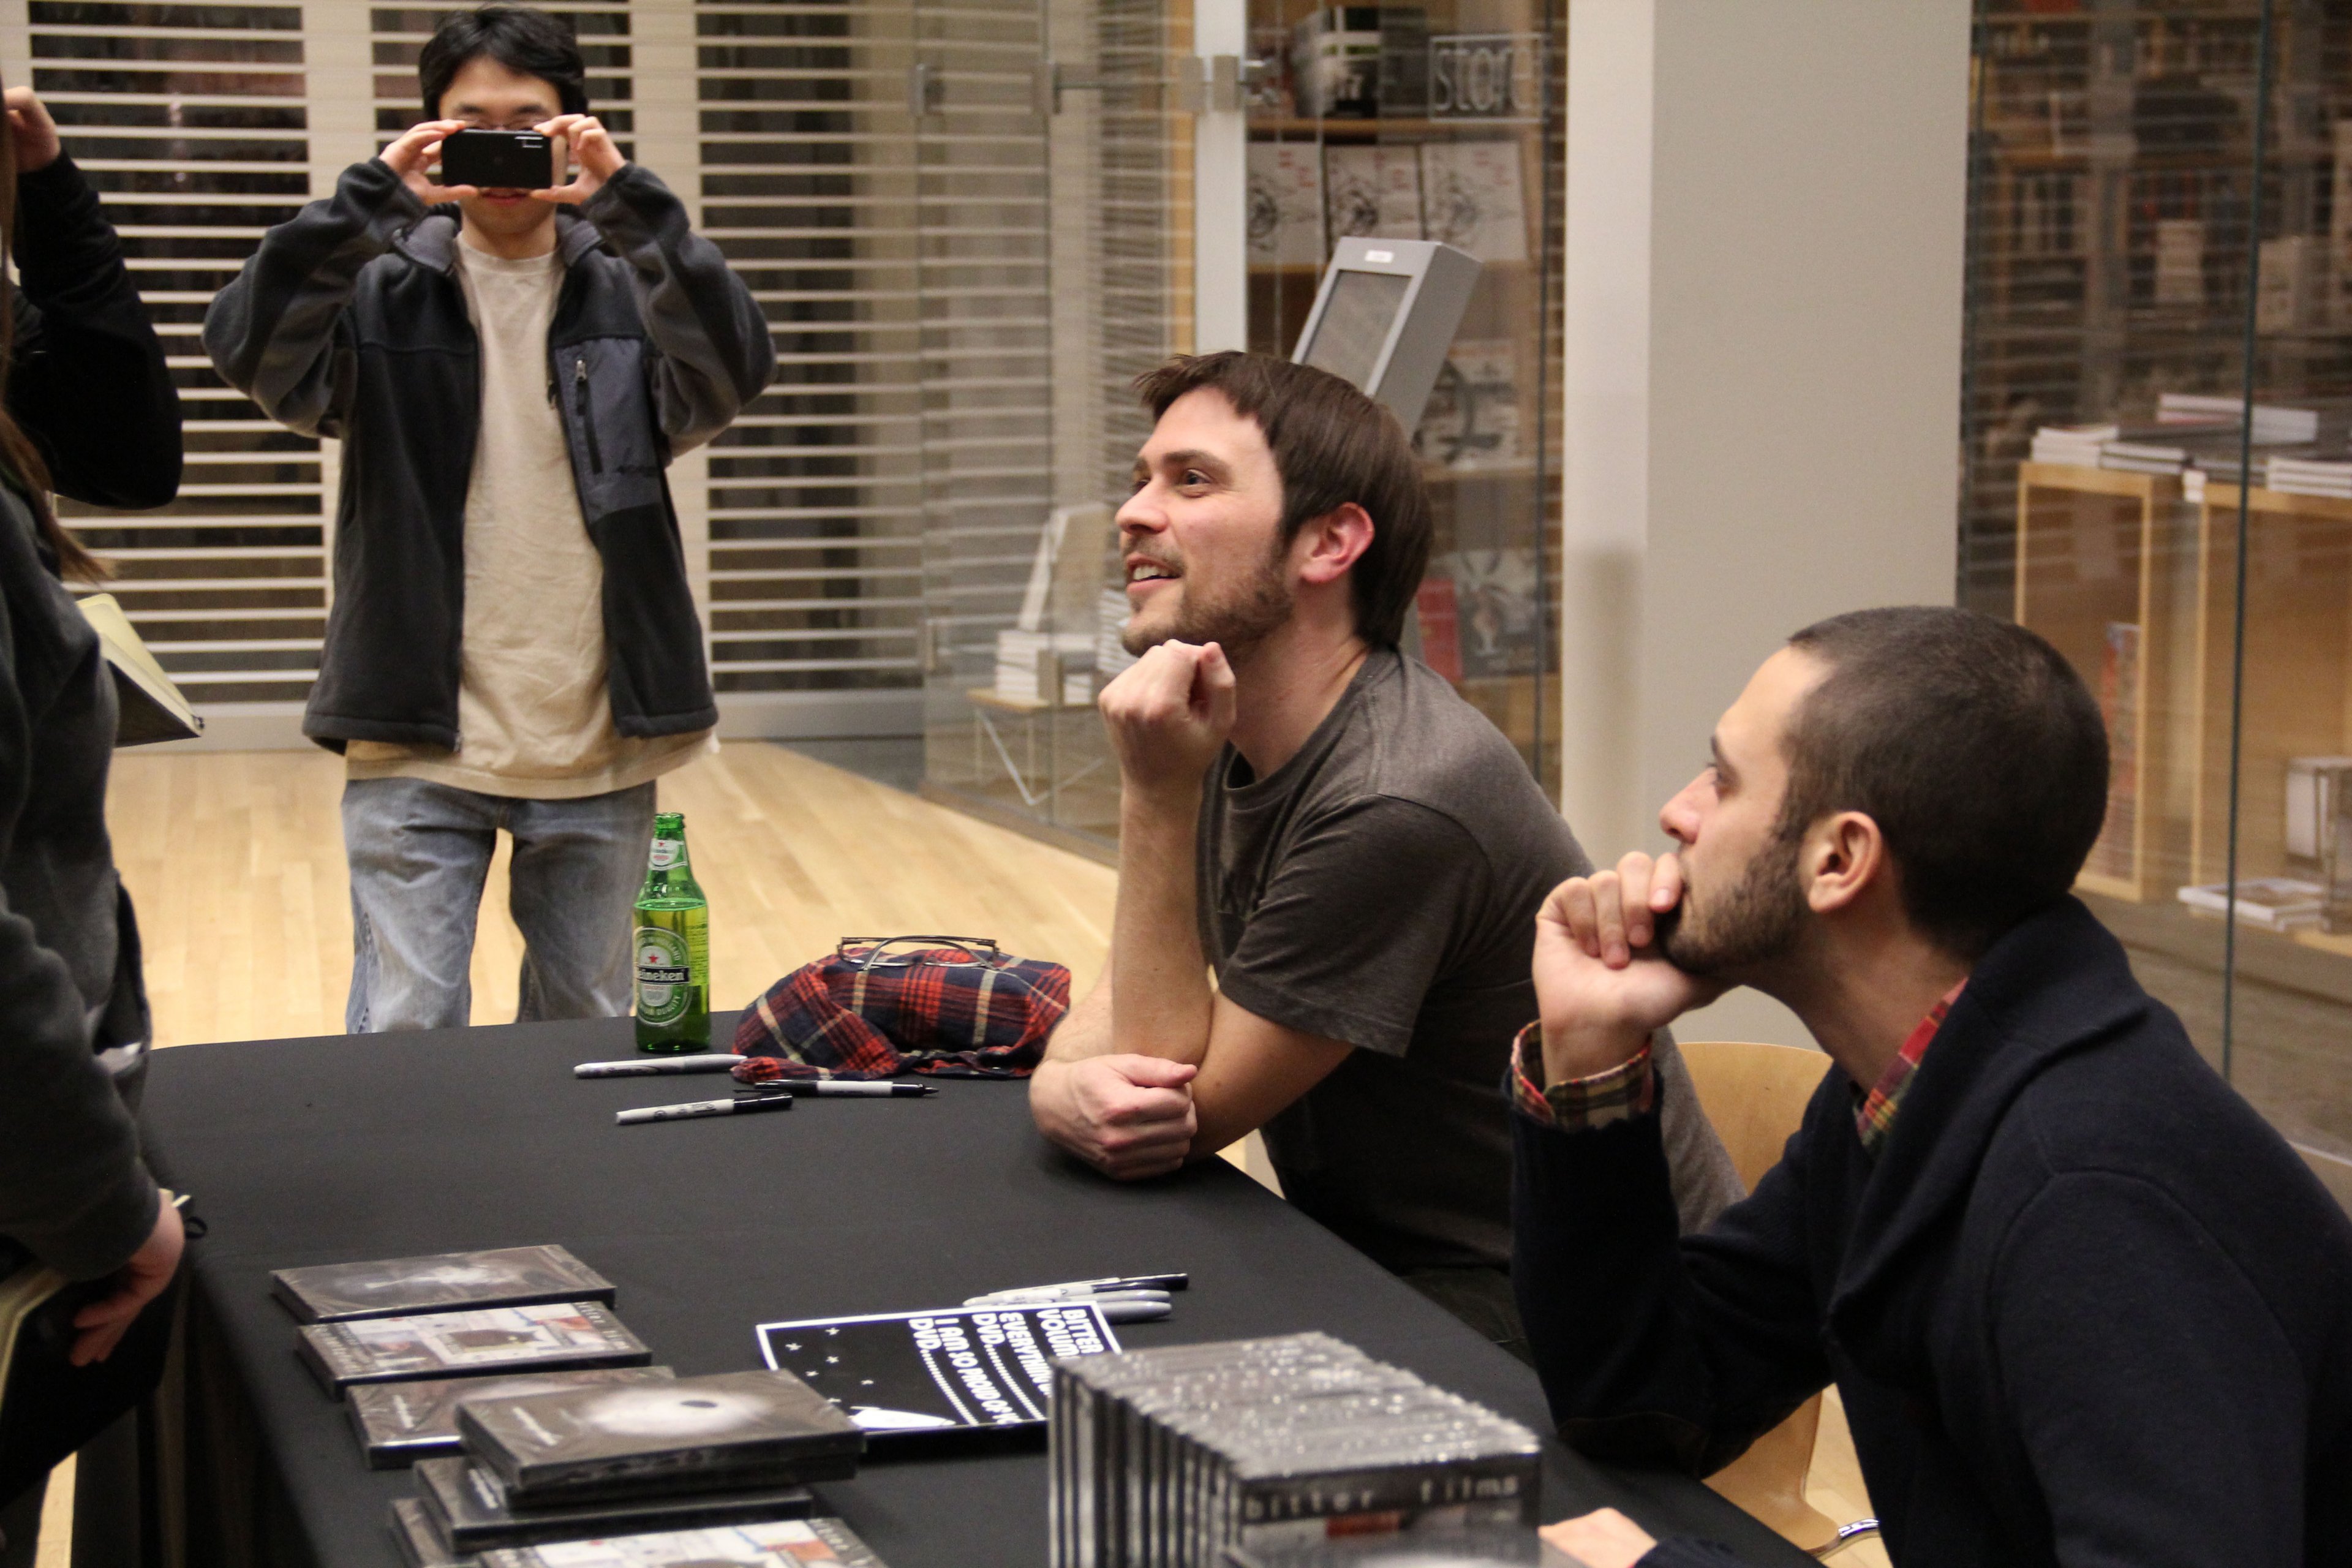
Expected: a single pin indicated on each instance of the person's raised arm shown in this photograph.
(1653, 1347)
(713, 353)
(1114, 1088)
(86, 379)
(277, 332)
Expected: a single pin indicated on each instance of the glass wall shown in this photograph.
(1441, 120)
(2158, 476)
(1055, 235)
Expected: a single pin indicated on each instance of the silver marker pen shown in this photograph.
(695, 1109)
(651, 1067)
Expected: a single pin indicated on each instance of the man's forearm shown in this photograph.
(1160, 1005)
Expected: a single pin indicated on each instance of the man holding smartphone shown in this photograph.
(512, 643)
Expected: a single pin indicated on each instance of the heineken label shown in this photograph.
(665, 978)
(666, 853)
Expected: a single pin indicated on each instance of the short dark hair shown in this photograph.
(1971, 742)
(1331, 445)
(523, 38)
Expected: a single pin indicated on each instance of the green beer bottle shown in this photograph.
(672, 947)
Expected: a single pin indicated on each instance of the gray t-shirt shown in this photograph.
(1381, 887)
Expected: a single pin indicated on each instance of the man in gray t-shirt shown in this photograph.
(1354, 850)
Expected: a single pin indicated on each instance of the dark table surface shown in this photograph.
(322, 1151)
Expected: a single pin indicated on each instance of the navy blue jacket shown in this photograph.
(2085, 1308)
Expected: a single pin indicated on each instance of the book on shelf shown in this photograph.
(1111, 612)
(2308, 477)
(2180, 263)
(469, 1509)
(2113, 853)
(1475, 412)
(401, 1422)
(402, 1286)
(941, 1375)
(1495, 600)
(1019, 654)
(2275, 426)
(1334, 63)
(2072, 446)
(542, 1336)
(2314, 802)
(1405, 61)
(696, 1434)
(1473, 197)
(1371, 191)
(1284, 207)
(778, 1543)
(2273, 903)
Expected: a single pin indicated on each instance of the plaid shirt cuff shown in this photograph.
(1627, 1089)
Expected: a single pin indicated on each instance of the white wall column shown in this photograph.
(1221, 191)
(1766, 212)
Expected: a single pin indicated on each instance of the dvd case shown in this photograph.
(787, 1544)
(419, 1539)
(1169, 1459)
(543, 1336)
(470, 1509)
(734, 1428)
(402, 1286)
(927, 1374)
(401, 1422)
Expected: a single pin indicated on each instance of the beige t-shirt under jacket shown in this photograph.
(534, 717)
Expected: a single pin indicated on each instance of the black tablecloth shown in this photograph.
(317, 1151)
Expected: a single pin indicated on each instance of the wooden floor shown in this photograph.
(236, 860)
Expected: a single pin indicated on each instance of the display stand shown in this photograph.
(2097, 550)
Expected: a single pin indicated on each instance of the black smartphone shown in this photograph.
(497, 160)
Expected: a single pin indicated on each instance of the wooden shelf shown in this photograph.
(2297, 694)
(1359, 130)
(2098, 547)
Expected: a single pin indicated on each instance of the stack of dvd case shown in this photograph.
(512, 1311)
(771, 1543)
(612, 1459)
(1166, 1458)
(1515, 1548)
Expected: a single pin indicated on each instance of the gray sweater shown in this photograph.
(72, 1188)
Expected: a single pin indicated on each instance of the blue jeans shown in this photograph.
(419, 853)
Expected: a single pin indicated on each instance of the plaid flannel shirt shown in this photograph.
(834, 1018)
(1629, 1089)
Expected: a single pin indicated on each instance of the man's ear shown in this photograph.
(1328, 545)
(1843, 858)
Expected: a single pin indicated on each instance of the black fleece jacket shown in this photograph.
(349, 322)
(89, 386)
(2086, 1307)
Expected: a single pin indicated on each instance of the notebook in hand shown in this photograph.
(148, 706)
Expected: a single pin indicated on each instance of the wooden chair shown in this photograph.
(1756, 1096)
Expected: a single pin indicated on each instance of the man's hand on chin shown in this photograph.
(1601, 982)
(1168, 715)
(1129, 1117)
